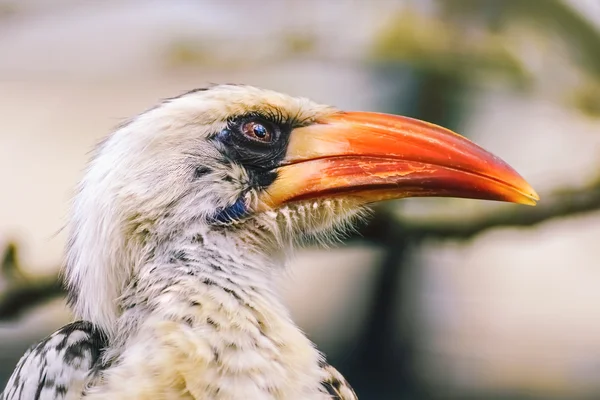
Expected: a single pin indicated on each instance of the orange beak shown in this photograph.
(372, 157)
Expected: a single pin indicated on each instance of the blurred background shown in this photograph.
(435, 298)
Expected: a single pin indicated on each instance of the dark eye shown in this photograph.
(257, 131)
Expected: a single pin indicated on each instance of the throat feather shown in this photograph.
(219, 310)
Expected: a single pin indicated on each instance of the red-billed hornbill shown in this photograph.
(182, 223)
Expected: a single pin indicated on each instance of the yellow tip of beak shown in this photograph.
(530, 198)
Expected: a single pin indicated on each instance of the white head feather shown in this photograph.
(139, 191)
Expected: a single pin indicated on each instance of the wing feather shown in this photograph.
(336, 385)
(57, 366)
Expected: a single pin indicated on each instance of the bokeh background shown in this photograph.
(435, 298)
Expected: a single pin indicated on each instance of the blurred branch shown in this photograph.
(563, 203)
(17, 300)
(24, 292)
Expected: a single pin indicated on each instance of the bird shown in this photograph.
(185, 220)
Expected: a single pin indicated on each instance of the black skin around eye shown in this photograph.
(252, 153)
(261, 178)
(260, 158)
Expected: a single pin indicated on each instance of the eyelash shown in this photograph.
(272, 116)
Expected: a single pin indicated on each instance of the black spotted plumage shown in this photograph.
(58, 365)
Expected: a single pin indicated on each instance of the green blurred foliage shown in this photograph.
(440, 46)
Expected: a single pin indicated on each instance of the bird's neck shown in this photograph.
(223, 291)
(202, 261)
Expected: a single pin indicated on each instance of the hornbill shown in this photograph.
(184, 221)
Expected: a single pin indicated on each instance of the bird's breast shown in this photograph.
(217, 343)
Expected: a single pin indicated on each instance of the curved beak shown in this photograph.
(373, 157)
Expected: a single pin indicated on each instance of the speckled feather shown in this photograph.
(58, 366)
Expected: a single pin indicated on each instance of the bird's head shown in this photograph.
(260, 165)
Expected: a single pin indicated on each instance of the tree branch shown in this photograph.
(566, 204)
(24, 292)
(21, 298)
(562, 204)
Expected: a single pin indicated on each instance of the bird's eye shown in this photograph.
(257, 131)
